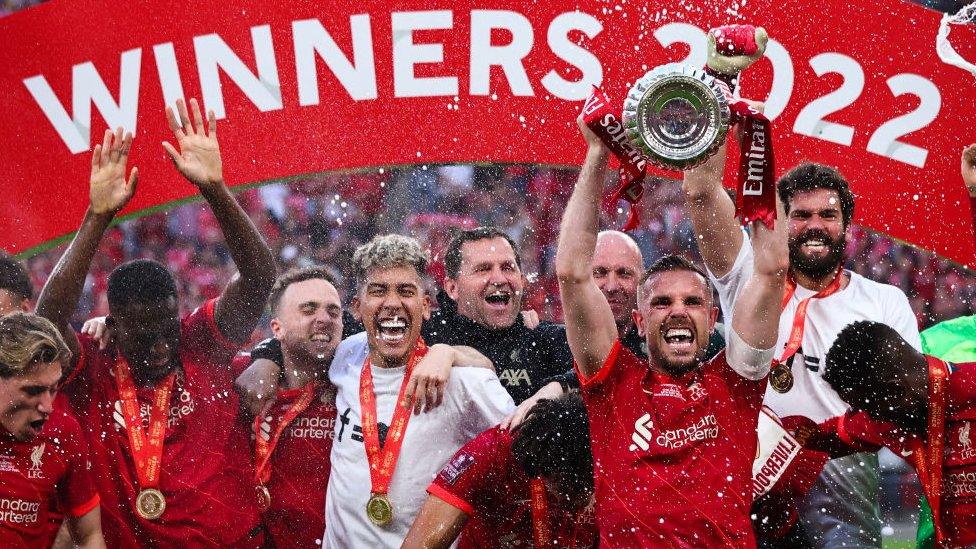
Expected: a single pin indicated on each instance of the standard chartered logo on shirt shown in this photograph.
(18, 511)
(704, 428)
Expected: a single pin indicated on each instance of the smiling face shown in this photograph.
(489, 285)
(26, 400)
(817, 235)
(148, 336)
(392, 304)
(617, 265)
(309, 322)
(676, 316)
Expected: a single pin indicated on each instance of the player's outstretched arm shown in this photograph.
(109, 191)
(755, 319)
(590, 326)
(86, 530)
(717, 232)
(968, 169)
(198, 159)
(436, 527)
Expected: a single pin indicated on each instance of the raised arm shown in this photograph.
(590, 326)
(717, 232)
(240, 306)
(968, 169)
(109, 191)
(757, 310)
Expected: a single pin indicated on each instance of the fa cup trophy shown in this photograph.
(677, 115)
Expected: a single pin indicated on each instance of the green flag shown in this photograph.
(955, 341)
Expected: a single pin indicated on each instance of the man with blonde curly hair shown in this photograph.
(43, 455)
(382, 458)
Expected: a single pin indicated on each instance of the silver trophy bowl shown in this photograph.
(677, 116)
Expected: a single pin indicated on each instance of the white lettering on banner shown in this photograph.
(312, 41)
(358, 77)
(213, 54)
(577, 56)
(407, 54)
(509, 57)
(87, 87)
(756, 154)
(775, 450)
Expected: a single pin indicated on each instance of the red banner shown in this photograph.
(304, 87)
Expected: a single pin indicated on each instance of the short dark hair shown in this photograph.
(294, 276)
(671, 263)
(140, 281)
(554, 439)
(452, 257)
(14, 278)
(863, 356)
(810, 176)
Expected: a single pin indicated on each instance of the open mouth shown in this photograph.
(679, 339)
(815, 245)
(499, 298)
(37, 425)
(392, 330)
(321, 337)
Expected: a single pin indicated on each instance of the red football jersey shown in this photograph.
(54, 466)
(300, 466)
(206, 466)
(484, 481)
(672, 457)
(958, 512)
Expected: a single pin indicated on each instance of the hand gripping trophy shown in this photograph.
(677, 116)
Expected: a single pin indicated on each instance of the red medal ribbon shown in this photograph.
(928, 458)
(800, 317)
(540, 514)
(263, 449)
(147, 448)
(609, 127)
(381, 466)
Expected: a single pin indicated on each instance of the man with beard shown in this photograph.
(383, 456)
(157, 406)
(293, 435)
(673, 435)
(480, 308)
(821, 299)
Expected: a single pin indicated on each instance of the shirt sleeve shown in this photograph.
(752, 364)
(471, 473)
(731, 283)
(76, 490)
(201, 334)
(900, 317)
(482, 401)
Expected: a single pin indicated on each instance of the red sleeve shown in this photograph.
(848, 434)
(76, 491)
(604, 373)
(201, 333)
(240, 363)
(474, 471)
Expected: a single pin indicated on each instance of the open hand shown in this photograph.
(109, 191)
(425, 389)
(198, 158)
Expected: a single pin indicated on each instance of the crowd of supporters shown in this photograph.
(321, 219)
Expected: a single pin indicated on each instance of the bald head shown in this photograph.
(617, 267)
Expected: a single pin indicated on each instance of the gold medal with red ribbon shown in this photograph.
(928, 458)
(382, 461)
(780, 375)
(263, 449)
(147, 448)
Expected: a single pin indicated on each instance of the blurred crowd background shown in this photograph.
(321, 219)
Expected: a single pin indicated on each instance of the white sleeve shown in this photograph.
(752, 364)
(899, 315)
(731, 283)
(482, 400)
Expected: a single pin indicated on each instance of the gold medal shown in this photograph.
(150, 504)
(264, 497)
(379, 510)
(781, 378)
